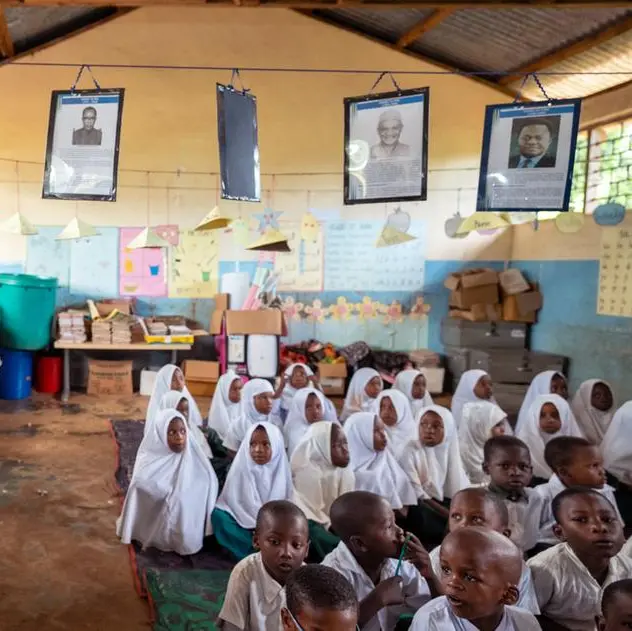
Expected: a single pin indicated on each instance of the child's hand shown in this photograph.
(418, 556)
(390, 591)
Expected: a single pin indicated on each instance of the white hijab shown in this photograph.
(171, 495)
(317, 481)
(376, 471)
(617, 445)
(593, 422)
(435, 472)
(540, 384)
(289, 390)
(404, 430)
(357, 399)
(531, 434)
(296, 424)
(404, 383)
(250, 485)
(464, 393)
(223, 411)
(479, 419)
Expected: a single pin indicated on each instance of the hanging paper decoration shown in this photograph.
(147, 239)
(392, 236)
(214, 220)
(482, 221)
(610, 214)
(271, 241)
(291, 308)
(341, 310)
(420, 309)
(316, 312)
(452, 226)
(367, 309)
(399, 220)
(569, 223)
(268, 219)
(393, 312)
(18, 224)
(77, 229)
(310, 228)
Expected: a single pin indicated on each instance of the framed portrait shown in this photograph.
(386, 147)
(82, 150)
(528, 156)
(238, 137)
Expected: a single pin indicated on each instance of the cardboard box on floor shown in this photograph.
(201, 377)
(332, 378)
(472, 287)
(109, 377)
(261, 322)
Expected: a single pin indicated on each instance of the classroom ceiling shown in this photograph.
(501, 38)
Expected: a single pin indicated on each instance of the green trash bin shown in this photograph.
(27, 308)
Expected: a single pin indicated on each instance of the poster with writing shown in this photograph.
(302, 268)
(193, 265)
(615, 272)
(354, 263)
(94, 265)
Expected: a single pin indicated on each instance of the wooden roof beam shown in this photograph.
(423, 26)
(7, 50)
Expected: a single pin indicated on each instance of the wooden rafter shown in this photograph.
(7, 49)
(581, 46)
(423, 26)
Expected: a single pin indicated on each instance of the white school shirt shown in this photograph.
(554, 487)
(415, 588)
(567, 593)
(253, 599)
(437, 615)
(527, 599)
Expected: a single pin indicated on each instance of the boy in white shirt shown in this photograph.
(569, 577)
(255, 596)
(367, 557)
(616, 607)
(480, 570)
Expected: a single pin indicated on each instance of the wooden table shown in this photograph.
(89, 346)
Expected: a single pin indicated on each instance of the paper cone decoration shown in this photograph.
(214, 221)
(77, 229)
(18, 224)
(482, 221)
(271, 241)
(147, 239)
(392, 236)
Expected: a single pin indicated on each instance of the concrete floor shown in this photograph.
(61, 565)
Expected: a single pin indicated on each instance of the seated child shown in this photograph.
(226, 405)
(254, 596)
(479, 422)
(306, 408)
(480, 570)
(367, 558)
(393, 409)
(477, 507)
(318, 599)
(375, 468)
(474, 386)
(576, 463)
(549, 417)
(547, 382)
(616, 606)
(172, 492)
(365, 385)
(260, 473)
(593, 406)
(413, 384)
(433, 464)
(321, 473)
(507, 462)
(569, 577)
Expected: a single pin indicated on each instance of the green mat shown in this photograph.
(186, 600)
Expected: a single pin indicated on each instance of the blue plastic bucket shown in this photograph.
(16, 374)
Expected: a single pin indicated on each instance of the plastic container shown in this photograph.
(48, 375)
(16, 373)
(27, 308)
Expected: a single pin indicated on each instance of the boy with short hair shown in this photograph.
(569, 577)
(480, 570)
(507, 462)
(255, 596)
(616, 607)
(318, 597)
(367, 556)
(576, 463)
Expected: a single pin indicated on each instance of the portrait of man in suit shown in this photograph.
(88, 134)
(536, 142)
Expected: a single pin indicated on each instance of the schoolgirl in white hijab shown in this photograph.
(290, 390)
(299, 418)
(365, 386)
(617, 445)
(474, 386)
(375, 468)
(547, 382)
(224, 411)
(400, 427)
(407, 381)
(536, 439)
(171, 495)
(594, 421)
(481, 420)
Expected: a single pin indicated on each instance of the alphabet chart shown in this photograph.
(615, 272)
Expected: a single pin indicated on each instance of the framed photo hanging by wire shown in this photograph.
(528, 155)
(82, 151)
(386, 147)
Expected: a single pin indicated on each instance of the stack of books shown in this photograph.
(101, 332)
(121, 328)
(72, 327)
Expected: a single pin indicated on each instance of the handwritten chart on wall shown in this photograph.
(193, 265)
(47, 257)
(94, 265)
(302, 268)
(615, 272)
(352, 262)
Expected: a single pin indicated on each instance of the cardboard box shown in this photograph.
(434, 378)
(523, 307)
(512, 282)
(105, 307)
(333, 378)
(264, 322)
(109, 377)
(201, 377)
(470, 287)
(479, 313)
(337, 370)
(217, 317)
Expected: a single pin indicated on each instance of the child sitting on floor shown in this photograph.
(260, 473)
(474, 386)
(226, 405)
(366, 384)
(593, 406)
(544, 383)
(576, 463)
(480, 570)
(393, 409)
(413, 384)
(321, 473)
(367, 558)
(254, 596)
(319, 599)
(616, 606)
(306, 408)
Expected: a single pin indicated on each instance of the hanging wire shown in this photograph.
(17, 184)
(84, 67)
(382, 75)
(148, 203)
(233, 78)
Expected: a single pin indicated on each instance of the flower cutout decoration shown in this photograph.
(367, 309)
(291, 308)
(316, 311)
(393, 312)
(341, 310)
(420, 309)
